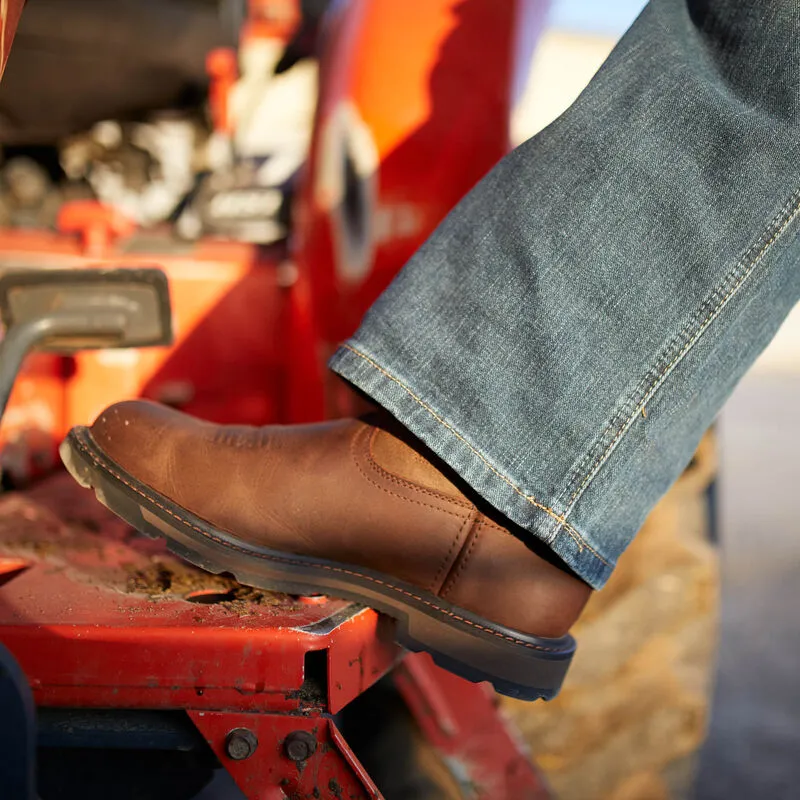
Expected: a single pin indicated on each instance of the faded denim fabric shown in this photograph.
(569, 332)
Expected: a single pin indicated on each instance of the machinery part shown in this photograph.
(240, 744)
(27, 182)
(21, 338)
(223, 70)
(64, 310)
(331, 771)
(77, 773)
(391, 745)
(262, 129)
(70, 70)
(517, 664)
(28, 197)
(299, 745)
(142, 169)
(385, 167)
(118, 729)
(240, 202)
(113, 656)
(97, 225)
(94, 308)
(127, 754)
(122, 588)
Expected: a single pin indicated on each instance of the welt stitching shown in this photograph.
(105, 467)
(729, 287)
(452, 579)
(390, 476)
(579, 540)
(446, 561)
(395, 494)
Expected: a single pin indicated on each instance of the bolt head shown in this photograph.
(299, 745)
(240, 743)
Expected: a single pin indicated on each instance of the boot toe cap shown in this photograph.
(138, 436)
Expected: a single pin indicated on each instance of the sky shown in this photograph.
(598, 16)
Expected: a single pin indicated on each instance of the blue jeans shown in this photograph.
(569, 332)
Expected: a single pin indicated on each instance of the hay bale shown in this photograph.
(633, 711)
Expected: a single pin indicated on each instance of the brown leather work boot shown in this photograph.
(354, 508)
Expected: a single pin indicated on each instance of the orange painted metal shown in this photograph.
(228, 363)
(10, 11)
(223, 70)
(34, 419)
(225, 365)
(414, 109)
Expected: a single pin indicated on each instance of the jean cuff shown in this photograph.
(396, 393)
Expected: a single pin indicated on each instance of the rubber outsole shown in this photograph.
(516, 664)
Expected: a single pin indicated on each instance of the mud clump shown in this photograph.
(62, 524)
(164, 578)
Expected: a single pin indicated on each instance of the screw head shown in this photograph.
(299, 745)
(240, 743)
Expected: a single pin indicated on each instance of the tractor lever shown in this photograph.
(79, 309)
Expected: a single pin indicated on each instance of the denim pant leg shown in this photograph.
(571, 329)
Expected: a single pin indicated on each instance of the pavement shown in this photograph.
(753, 748)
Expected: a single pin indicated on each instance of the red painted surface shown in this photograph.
(75, 614)
(332, 771)
(462, 721)
(98, 226)
(223, 70)
(86, 637)
(416, 96)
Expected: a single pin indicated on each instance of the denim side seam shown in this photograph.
(708, 311)
(562, 522)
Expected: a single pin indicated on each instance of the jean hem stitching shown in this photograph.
(563, 524)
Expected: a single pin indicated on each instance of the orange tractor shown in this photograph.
(148, 675)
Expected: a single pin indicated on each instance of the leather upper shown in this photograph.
(346, 491)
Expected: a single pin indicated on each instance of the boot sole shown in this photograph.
(516, 664)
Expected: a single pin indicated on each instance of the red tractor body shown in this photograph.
(413, 109)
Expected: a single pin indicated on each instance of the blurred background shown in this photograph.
(631, 728)
(754, 728)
